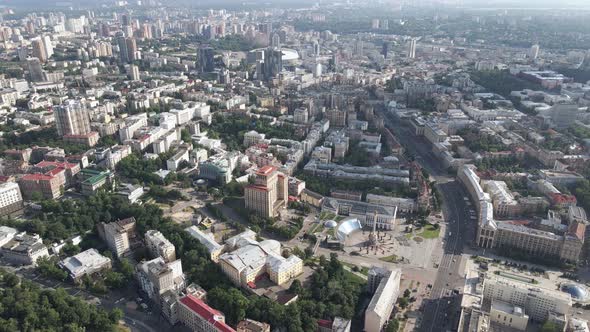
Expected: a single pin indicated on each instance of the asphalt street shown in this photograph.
(441, 311)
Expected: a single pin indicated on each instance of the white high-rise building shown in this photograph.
(47, 45)
(385, 286)
(134, 73)
(534, 52)
(411, 49)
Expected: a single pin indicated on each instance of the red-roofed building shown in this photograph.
(49, 186)
(88, 139)
(71, 169)
(198, 316)
(562, 200)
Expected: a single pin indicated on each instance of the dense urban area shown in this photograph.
(290, 166)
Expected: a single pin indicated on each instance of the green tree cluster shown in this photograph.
(42, 137)
(27, 307)
(332, 292)
(230, 128)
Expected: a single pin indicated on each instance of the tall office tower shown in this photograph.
(125, 20)
(375, 24)
(384, 25)
(358, 47)
(269, 192)
(71, 118)
(205, 59)
(103, 30)
(335, 62)
(221, 30)
(123, 54)
(35, 70)
(534, 52)
(39, 50)
(276, 40)
(316, 48)
(385, 50)
(273, 63)
(265, 28)
(209, 32)
(22, 53)
(131, 49)
(412, 49)
(48, 46)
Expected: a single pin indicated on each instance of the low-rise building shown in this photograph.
(24, 249)
(537, 302)
(508, 315)
(93, 180)
(85, 263)
(159, 246)
(89, 139)
(174, 162)
(6, 234)
(48, 186)
(296, 186)
(251, 259)
(249, 325)
(403, 204)
(214, 248)
(131, 192)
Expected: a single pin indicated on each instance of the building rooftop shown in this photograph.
(82, 262)
(205, 238)
(207, 313)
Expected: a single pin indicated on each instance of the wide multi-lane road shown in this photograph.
(440, 312)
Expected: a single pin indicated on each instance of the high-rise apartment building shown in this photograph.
(273, 63)
(47, 45)
(39, 50)
(117, 235)
(131, 49)
(72, 118)
(411, 49)
(123, 54)
(269, 192)
(534, 52)
(205, 59)
(134, 73)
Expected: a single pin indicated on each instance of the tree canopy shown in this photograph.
(24, 306)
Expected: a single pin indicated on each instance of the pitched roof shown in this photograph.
(207, 313)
